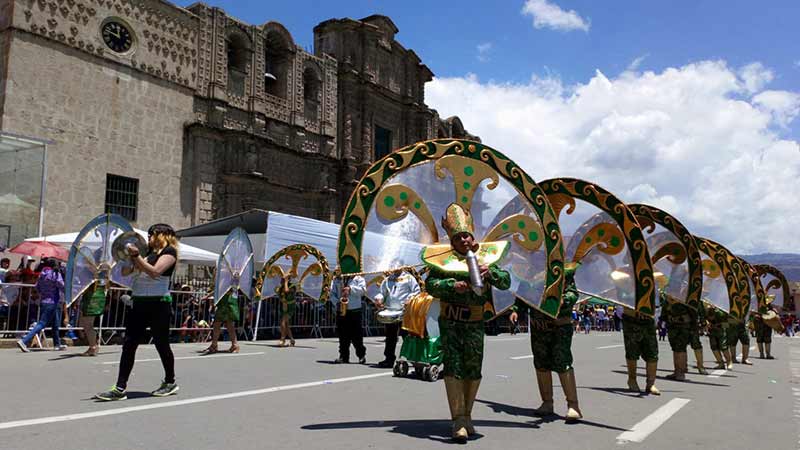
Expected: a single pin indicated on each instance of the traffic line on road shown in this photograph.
(610, 346)
(522, 357)
(191, 401)
(717, 373)
(649, 424)
(228, 355)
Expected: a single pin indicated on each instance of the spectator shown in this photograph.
(587, 319)
(662, 329)
(188, 327)
(602, 319)
(4, 264)
(618, 318)
(50, 286)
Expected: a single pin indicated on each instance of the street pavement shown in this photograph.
(268, 397)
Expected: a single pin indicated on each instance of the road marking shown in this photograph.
(191, 401)
(717, 373)
(229, 355)
(611, 346)
(649, 424)
(522, 357)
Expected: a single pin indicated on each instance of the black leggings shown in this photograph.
(156, 315)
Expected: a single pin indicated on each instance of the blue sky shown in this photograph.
(446, 35)
(690, 106)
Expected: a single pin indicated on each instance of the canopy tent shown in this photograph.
(186, 253)
(272, 231)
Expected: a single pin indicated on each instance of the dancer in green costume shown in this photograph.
(287, 293)
(463, 312)
(227, 312)
(551, 344)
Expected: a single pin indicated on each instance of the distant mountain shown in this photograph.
(788, 263)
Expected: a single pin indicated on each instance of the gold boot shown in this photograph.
(728, 360)
(761, 350)
(633, 385)
(769, 351)
(733, 359)
(651, 369)
(470, 392)
(455, 399)
(677, 361)
(698, 355)
(745, 354)
(545, 380)
(571, 393)
(720, 362)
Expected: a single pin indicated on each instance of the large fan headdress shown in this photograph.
(394, 216)
(674, 253)
(725, 283)
(775, 286)
(299, 264)
(91, 258)
(235, 266)
(603, 235)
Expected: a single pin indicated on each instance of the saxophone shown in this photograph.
(344, 300)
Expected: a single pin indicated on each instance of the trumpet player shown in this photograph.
(346, 294)
(464, 299)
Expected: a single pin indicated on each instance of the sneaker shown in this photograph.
(111, 395)
(22, 346)
(165, 390)
(362, 360)
(341, 361)
(386, 364)
(60, 348)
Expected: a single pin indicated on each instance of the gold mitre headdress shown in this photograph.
(457, 220)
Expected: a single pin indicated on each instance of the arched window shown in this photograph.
(238, 59)
(277, 62)
(312, 86)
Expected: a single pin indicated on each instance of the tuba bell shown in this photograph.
(773, 320)
(119, 248)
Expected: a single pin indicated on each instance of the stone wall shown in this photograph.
(165, 37)
(104, 118)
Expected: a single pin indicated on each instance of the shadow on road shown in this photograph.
(688, 381)
(529, 412)
(432, 429)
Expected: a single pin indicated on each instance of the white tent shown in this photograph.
(186, 253)
(271, 231)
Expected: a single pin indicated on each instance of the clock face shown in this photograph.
(117, 36)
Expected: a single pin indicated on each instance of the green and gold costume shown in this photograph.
(639, 336)
(462, 319)
(551, 339)
(679, 322)
(227, 308)
(288, 300)
(718, 330)
(763, 331)
(737, 332)
(93, 302)
(698, 323)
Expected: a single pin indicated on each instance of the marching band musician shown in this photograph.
(698, 323)
(151, 307)
(395, 290)
(679, 330)
(287, 293)
(737, 332)
(346, 294)
(763, 331)
(551, 344)
(461, 320)
(718, 337)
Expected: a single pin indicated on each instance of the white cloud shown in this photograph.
(702, 141)
(549, 15)
(483, 51)
(634, 65)
(755, 76)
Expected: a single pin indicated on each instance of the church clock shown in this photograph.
(117, 36)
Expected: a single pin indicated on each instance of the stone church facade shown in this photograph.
(186, 115)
